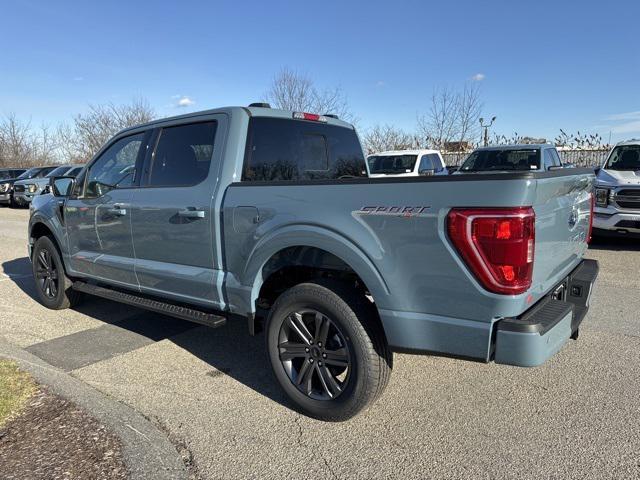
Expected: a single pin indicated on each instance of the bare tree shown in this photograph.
(81, 140)
(452, 117)
(295, 91)
(386, 137)
(16, 146)
(469, 111)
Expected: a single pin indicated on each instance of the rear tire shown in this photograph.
(53, 287)
(327, 349)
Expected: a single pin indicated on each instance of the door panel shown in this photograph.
(100, 237)
(98, 220)
(174, 226)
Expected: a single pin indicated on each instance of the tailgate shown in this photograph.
(562, 205)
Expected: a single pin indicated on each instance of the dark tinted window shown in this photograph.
(624, 157)
(281, 149)
(73, 172)
(115, 168)
(183, 155)
(391, 163)
(32, 172)
(507, 159)
(44, 172)
(59, 172)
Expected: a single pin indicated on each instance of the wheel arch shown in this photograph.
(314, 247)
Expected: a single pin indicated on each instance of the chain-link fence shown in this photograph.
(579, 158)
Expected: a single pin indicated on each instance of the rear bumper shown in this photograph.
(535, 336)
(527, 340)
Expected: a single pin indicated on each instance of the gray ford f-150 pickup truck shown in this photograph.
(268, 215)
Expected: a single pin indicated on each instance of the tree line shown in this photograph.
(451, 122)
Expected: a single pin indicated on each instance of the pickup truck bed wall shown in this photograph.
(406, 260)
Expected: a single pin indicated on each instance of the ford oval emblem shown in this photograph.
(573, 218)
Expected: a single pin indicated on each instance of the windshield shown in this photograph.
(507, 159)
(58, 172)
(391, 163)
(32, 172)
(624, 157)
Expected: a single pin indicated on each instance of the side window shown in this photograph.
(426, 163)
(548, 159)
(556, 158)
(183, 155)
(115, 168)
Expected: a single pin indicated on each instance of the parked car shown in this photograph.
(9, 173)
(617, 191)
(7, 185)
(25, 190)
(406, 163)
(268, 215)
(525, 157)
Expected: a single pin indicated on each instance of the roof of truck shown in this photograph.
(251, 111)
(632, 141)
(518, 146)
(406, 152)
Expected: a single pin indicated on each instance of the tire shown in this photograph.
(334, 380)
(53, 287)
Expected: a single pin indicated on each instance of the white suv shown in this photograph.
(406, 163)
(617, 191)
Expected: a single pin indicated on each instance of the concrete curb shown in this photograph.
(147, 451)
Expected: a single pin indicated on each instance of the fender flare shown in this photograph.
(318, 237)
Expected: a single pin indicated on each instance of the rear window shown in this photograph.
(391, 163)
(295, 150)
(508, 159)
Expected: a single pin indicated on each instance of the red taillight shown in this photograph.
(591, 206)
(314, 117)
(497, 244)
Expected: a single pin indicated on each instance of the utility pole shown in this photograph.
(486, 126)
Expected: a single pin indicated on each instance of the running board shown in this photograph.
(184, 313)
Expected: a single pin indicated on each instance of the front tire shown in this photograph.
(53, 287)
(327, 349)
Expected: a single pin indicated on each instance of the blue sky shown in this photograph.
(543, 65)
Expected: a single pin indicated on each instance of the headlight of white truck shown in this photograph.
(4, 187)
(602, 197)
(32, 188)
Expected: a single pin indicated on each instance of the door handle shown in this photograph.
(117, 211)
(191, 213)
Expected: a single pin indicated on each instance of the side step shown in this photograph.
(185, 313)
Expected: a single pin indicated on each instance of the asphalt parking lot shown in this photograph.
(577, 416)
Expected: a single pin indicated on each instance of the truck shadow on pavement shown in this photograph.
(229, 350)
(615, 244)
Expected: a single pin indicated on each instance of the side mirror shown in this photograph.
(597, 170)
(426, 173)
(61, 186)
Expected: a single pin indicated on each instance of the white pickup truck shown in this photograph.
(406, 163)
(617, 191)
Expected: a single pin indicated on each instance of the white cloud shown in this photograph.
(381, 83)
(183, 101)
(623, 123)
(78, 79)
(478, 77)
(624, 116)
